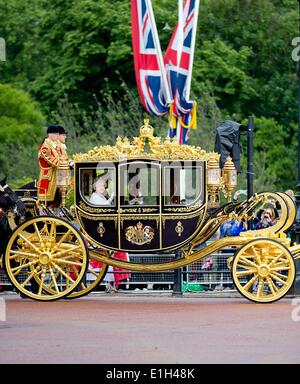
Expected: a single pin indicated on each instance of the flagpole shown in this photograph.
(189, 81)
(180, 32)
(160, 56)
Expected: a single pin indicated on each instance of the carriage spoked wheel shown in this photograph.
(94, 275)
(46, 258)
(263, 270)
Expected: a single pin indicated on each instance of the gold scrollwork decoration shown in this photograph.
(149, 210)
(128, 210)
(183, 217)
(95, 218)
(101, 229)
(125, 218)
(137, 210)
(184, 209)
(179, 228)
(94, 210)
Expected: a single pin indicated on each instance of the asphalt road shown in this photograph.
(154, 329)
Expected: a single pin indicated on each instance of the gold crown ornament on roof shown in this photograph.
(145, 146)
(146, 130)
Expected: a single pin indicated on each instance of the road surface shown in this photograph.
(149, 329)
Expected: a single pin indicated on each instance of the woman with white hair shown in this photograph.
(101, 196)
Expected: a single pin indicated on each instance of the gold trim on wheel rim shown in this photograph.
(93, 276)
(263, 270)
(46, 258)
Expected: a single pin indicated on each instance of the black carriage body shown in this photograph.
(164, 212)
(27, 191)
(28, 195)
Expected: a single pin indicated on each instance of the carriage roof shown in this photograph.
(146, 146)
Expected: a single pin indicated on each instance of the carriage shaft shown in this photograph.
(182, 262)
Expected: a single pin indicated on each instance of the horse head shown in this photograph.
(3, 182)
(9, 200)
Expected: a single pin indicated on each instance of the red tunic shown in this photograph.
(48, 161)
(121, 276)
(118, 276)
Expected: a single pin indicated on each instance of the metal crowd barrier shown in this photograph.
(209, 274)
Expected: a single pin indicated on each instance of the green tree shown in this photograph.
(266, 28)
(275, 161)
(81, 50)
(21, 129)
(223, 70)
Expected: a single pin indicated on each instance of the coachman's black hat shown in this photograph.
(62, 130)
(53, 129)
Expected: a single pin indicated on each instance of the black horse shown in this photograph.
(9, 201)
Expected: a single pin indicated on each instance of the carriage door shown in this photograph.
(184, 201)
(139, 206)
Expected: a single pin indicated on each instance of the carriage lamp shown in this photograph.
(213, 179)
(229, 176)
(63, 179)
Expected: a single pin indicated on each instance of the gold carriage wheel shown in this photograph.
(93, 277)
(263, 270)
(41, 256)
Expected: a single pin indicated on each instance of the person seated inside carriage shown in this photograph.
(100, 196)
(135, 195)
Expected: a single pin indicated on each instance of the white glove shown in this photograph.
(111, 197)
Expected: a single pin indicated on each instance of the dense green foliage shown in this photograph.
(75, 56)
(20, 132)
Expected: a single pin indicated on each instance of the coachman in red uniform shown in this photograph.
(48, 161)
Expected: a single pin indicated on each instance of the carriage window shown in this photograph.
(140, 184)
(98, 186)
(182, 186)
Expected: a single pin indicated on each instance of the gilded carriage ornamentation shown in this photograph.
(139, 234)
(101, 229)
(179, 228)
(173, 206)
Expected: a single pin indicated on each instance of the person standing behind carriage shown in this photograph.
(62, 145)
(62, 142)
(49, 157)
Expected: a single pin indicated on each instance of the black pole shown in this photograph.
(250, 157)
(177, 288)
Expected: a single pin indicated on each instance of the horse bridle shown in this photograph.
(2, 189)
(6, 195)
(13, 198)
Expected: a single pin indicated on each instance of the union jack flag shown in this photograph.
(162, 81)
(178, 60)
(149, 66)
